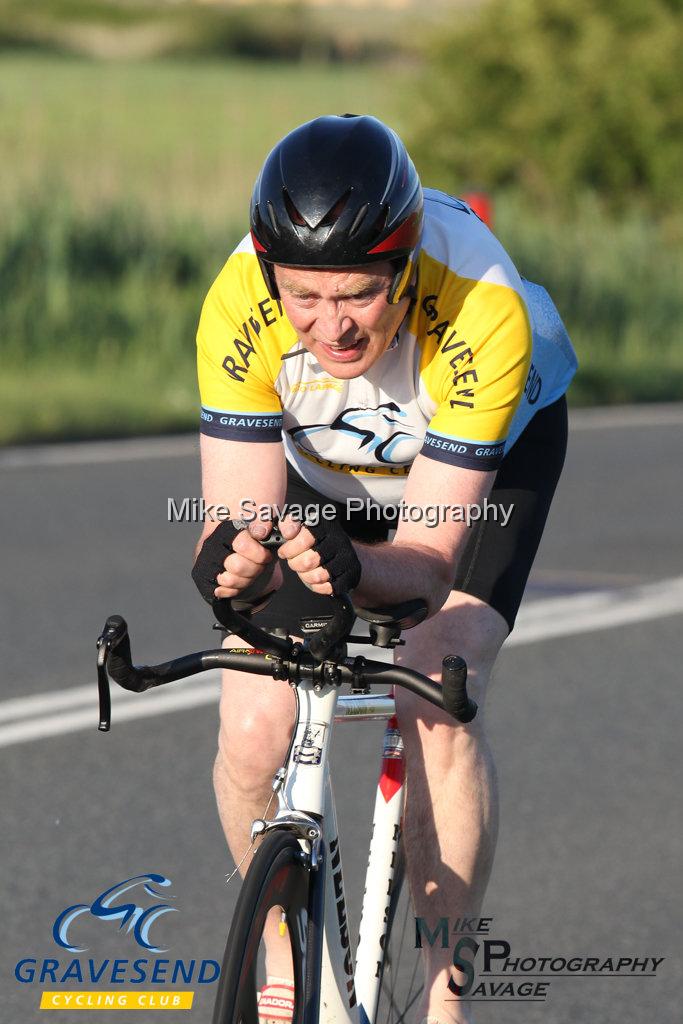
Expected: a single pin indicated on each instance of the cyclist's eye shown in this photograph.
(364, 298)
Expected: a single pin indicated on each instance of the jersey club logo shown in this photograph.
(373, 430)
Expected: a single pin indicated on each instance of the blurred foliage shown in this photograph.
(104, 281)
(123, 29)
(617, 285)
(558, 96)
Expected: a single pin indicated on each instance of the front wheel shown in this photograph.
(275, 890)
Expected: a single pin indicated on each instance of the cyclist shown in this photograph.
(372, 341)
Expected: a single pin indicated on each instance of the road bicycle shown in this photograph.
(295, 879)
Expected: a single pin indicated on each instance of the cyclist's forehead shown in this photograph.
(337, 283)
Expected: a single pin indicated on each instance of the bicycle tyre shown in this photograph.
(277, 877)
(401, 975)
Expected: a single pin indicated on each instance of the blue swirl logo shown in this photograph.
(370, 430)
(138, 919)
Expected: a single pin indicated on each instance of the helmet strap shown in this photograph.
(400, 285)
(268, 271)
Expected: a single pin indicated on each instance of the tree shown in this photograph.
(558, 96)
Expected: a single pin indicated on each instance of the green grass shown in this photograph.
(178, 137)
(292, 30)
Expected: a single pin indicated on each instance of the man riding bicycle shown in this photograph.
(369, 352)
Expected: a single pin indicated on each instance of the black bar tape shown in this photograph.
(454, 687)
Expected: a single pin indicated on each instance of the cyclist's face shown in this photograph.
(342, 316)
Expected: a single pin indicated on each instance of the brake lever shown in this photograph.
(115, 630)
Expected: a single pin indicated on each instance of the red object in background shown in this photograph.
(482, 204)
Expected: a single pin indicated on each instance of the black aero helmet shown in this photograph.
(337, 192)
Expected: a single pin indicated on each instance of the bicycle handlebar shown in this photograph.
(283, 659)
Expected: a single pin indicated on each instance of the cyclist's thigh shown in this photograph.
(465, 625)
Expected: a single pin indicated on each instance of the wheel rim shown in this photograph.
(284, 895)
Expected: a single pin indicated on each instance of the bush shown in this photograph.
(558, 97)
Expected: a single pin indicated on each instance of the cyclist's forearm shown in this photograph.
(394, 572)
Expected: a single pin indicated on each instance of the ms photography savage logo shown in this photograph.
(131, 908)
(488, 971)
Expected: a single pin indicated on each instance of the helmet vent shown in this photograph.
(272, 218)
(381, 221)
(333, 214)
(293, 213)
(358, 219)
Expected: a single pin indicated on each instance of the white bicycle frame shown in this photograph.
(347, 996)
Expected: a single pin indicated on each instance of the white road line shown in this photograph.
(602, 609)
(39, 704)
(79, 453)
(54, 714)
(147, 705)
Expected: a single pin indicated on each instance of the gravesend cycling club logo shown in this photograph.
(134, 911)
(134, 918)
(372, 429)
(485, 969)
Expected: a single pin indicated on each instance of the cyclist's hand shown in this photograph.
(247, 562)
(231, 560)
(321, 554)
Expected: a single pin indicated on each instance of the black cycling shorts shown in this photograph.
(497, 560)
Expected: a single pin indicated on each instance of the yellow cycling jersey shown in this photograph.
(460, 381)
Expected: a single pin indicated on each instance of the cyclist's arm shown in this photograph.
(477, 386)
(234, 472)
(422, 559)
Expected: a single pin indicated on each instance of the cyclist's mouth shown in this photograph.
(344, 353)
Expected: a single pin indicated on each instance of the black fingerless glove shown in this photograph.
(337, 554)
(211, 558)
(211, 561)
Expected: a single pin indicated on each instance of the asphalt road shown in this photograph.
(584, 719)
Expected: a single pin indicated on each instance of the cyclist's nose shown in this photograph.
(333, 325)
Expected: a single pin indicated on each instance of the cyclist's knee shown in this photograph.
(470, 628)
(255, 728)
(465, 626)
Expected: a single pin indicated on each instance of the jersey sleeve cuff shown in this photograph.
(241, 426)
(481, 455)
